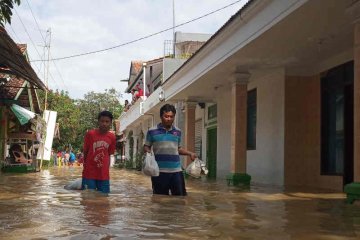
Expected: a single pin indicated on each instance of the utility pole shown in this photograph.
(47, 68)
(46, 76)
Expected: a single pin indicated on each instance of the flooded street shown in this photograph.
(36, 206)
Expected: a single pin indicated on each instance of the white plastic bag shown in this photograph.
(197, 168)
(150, 167)
(74, 185)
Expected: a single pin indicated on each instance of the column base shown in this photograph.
(236, 179)
(352, 191)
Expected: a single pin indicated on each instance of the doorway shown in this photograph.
(337, 122)
(211, 151)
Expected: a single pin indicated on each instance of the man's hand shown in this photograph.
(187, 153)
(193, 156)
(147, 149)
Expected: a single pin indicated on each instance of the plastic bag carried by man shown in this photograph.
(197, 168)
(150, 167)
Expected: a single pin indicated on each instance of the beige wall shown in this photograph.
(302, 134)
(223, 158)
(266, 163)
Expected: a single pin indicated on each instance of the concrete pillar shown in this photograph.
(238, 149)
(3, 132)
(135, 150)
(189, 129)
(357, 102)
(127, 147)
(353, 189)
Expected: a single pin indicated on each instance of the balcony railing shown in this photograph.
(133, 114)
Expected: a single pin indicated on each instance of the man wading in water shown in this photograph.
(99, 144)
(165, 142)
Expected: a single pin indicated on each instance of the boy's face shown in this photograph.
(104, 124)
(167, 119)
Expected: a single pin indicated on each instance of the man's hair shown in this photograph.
(167, 108)
(105, 114)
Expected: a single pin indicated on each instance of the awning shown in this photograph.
(22, 114)
(13, 62)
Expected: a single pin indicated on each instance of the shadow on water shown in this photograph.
(36, 206)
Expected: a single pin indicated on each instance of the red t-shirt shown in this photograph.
(140, 93)
(97, 148)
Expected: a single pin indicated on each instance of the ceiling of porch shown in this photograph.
(312, 34)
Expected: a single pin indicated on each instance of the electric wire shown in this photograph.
(15, 35)
(44, 39)
(32, 42)
(142, 38)
(18, 40)
(22, 23)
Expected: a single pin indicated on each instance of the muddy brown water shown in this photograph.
(36, 206)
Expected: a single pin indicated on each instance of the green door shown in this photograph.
(211, 152)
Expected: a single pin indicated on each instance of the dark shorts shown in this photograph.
(99, 185)
(165, 182)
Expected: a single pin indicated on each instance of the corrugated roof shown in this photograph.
(13, 61)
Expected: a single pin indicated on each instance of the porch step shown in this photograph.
(235, 179)
(20, 168)
(352, 191)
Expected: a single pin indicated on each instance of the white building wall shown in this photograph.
(266, 163)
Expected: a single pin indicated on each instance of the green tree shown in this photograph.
(93, 103)
(76, 117)
(6, 7)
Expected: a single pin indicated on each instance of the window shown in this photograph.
(198, 138)
(251, 120)
(212, 112)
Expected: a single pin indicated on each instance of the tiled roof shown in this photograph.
(10, 88)
(22, 47)
(135, 67)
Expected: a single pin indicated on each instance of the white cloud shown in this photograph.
(88, 25)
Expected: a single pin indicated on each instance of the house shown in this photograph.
(276, 95)
(18, 92)
(150, 75)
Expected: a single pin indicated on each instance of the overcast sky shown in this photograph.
(83, 26)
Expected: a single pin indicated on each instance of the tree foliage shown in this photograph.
(76, 117)
(93, 103)
(6, 7)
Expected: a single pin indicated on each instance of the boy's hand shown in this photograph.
(193, 156)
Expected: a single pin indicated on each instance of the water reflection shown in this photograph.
(96, 209)
(36, 206)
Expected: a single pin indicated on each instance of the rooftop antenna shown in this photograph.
(173, 3)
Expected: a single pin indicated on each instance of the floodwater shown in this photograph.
(36, 206)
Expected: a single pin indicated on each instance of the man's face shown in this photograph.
(104, 124)
(167, 119)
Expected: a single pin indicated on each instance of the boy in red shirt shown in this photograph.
(99, 144)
